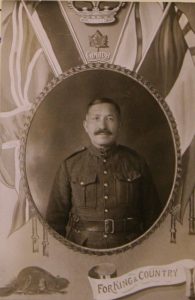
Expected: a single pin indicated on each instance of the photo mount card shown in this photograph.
(97, 156)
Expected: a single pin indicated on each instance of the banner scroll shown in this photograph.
(105, 287)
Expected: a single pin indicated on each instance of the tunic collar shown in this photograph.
(102, 152)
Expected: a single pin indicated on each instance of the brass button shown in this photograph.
(129, 179)
(105, 210)
(105, 172)
(104, 160)
(105, 197)
(105, 236)
(105, 184)
(81, 183)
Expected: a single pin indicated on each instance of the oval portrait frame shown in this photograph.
(174, 136)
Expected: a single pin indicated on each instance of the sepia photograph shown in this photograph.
(97, 177)
(94, 161)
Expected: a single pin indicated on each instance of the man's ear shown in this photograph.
(85, 125)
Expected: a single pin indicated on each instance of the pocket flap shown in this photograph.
(129, 177)
(84, 180)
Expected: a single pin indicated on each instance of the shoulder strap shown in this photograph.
(76, 152)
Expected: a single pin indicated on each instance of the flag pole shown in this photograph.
(44, 42)
(122, 31)
(166, 11)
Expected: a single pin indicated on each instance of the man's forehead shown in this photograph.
(104, 108)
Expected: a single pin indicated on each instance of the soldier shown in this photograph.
(103, 196)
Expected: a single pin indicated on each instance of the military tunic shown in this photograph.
(103, 199)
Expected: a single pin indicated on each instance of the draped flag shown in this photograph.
(29, 62)
(21, 82)
(169, 65)
(140, 28)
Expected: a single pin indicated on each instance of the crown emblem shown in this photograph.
(95, 12)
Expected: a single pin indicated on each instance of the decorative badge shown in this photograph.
(98, 41)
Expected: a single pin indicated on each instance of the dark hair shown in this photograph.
(104, 100)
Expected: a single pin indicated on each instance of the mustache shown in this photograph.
(100, 131)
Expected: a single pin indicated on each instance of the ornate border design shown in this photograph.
(173, 127)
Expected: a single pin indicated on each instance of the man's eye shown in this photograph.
(110, 118)
(96, 118)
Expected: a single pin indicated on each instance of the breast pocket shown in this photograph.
(84, 191)
(128, 187)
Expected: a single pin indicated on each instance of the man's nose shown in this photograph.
(102, 124)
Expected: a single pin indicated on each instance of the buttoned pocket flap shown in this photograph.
(85, 180)
(129, 177)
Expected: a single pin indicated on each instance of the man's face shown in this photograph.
(102, 124)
